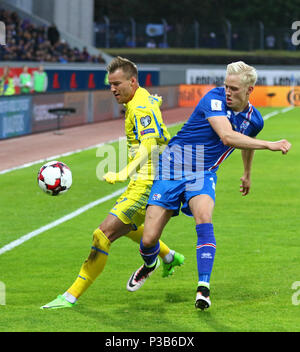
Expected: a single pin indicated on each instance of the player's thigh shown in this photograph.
(130, 208)
(156, 219)
(114, 228)
(202, 207)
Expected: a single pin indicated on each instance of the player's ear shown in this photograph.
(133, 80)
(250, 89)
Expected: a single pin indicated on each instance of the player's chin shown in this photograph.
(118, 99)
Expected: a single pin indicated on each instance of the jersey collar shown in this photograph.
(137, 95)
(248, 110)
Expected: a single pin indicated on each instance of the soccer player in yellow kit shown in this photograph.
(147, 135)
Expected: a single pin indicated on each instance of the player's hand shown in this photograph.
(245, 186)
(284, 146)
(159, 97)
(110, 177)
(113, 177)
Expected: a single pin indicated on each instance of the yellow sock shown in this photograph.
(164, 249)
(137, 235)
(93, 266)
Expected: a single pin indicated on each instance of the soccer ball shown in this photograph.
(55, 178)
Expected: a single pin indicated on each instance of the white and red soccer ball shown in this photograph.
(55, 178)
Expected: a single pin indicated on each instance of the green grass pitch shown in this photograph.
(257, 258)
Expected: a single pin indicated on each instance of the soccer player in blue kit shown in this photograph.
(223, 120)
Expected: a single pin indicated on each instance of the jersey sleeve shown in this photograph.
(257, 126)
(146, 122)
(212, 105)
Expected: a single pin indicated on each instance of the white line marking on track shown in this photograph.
(59, 221)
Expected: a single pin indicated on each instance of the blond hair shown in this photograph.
(128, 67)
(248, 73)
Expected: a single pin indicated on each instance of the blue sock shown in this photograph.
(149, 254)
(206, 248)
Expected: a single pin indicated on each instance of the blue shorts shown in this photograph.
(173, 194)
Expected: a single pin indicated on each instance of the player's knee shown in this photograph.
(108, 229)
(203, 218)
(96, 238)
(100, 239)
(149, 242)
(113, 227)
(100, 244)
(105, 229)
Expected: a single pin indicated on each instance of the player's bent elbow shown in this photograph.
(229, 138)
(226, 140)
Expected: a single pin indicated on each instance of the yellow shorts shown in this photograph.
(130, 207)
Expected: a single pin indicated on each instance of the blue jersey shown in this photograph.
(197, 145)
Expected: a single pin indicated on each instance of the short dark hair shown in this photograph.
(128, 67)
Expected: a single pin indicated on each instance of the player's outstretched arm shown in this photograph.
(231, 138)
(283, 145)
(146, 148)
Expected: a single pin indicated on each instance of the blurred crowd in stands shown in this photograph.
(27, 42)
(23, 81)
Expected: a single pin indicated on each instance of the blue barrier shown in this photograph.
(15, 116)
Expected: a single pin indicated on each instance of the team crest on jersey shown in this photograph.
(156, 196)
(244, 126)
(145, 121)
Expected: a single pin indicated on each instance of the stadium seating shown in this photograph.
(26, 41)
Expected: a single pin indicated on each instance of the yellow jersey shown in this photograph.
(143, 120)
